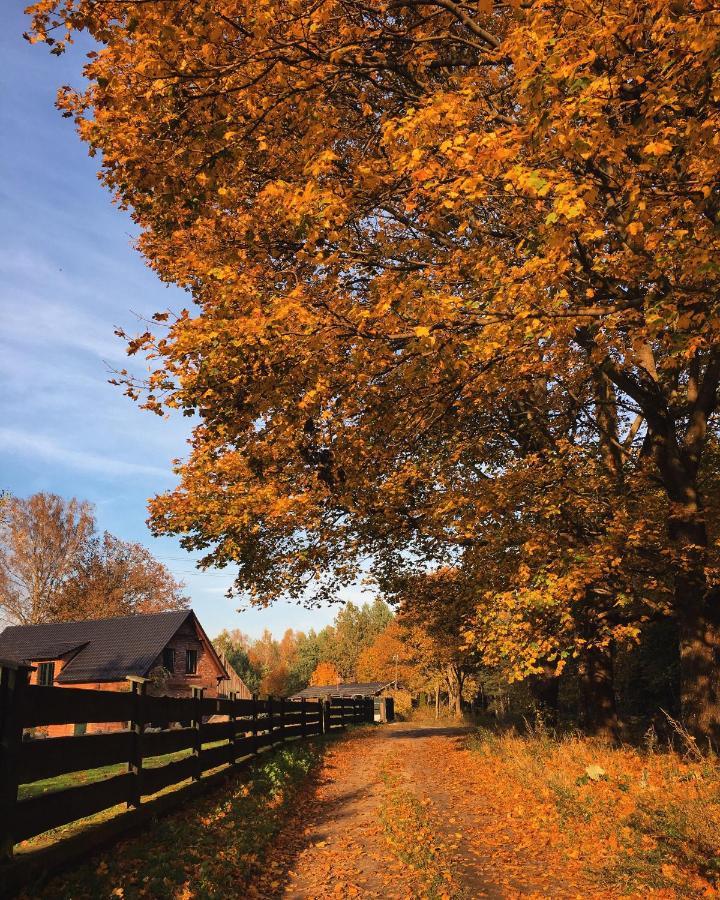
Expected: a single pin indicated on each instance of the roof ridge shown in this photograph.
(103, 649)
(163, 612)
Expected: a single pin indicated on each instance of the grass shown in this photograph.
(89, 776)
(638, 820)
(208, 849)
(50, 786)
(412, 836)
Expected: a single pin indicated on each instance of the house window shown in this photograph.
(169, 659)
(46, 673)
(191, 662)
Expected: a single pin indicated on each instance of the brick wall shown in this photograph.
(179, 684)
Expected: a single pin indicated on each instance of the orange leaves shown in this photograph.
(416, 241)
(325, 673)
(658, 148)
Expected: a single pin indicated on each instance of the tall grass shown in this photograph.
(640, 820)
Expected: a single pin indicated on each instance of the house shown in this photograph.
(170, 648)
(345, 689)
(382, 692)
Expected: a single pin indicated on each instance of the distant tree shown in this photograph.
(356, 628)
(42, 540)
(234, 645)
(394, 655)
(324, 675)
(278, 680)
(308, 653)
(264, 653)
(275, 683)
(114, 577)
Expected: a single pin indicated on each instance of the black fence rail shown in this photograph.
(159, 742)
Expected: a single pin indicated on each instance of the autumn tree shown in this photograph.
(325, 674)
(397, 655)
(42, 540)
(435, 613)
(396, 222)
(114, 577)
(54, 568)
(355, 628)
(572, 571)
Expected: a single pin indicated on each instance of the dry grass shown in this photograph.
(642, 822)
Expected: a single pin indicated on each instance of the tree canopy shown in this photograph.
(456, 274)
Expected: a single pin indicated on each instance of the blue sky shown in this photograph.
(70, 276)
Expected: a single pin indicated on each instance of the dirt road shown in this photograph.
(395, 814)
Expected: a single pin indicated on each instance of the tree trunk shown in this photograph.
(544, 689)
(598, 695)
(437, 700)
(698, 628)
(455, 685)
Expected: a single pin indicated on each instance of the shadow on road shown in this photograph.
(411, 730)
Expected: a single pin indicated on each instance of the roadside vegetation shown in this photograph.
(637, 822)
(209, 849)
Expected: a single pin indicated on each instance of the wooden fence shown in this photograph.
(246, 728)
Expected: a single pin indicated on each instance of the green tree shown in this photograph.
(234, 644)
(356, 627)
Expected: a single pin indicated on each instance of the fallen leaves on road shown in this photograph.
(408, 811)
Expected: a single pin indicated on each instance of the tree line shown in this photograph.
(456, 274)
(417, 658)
(331, 656)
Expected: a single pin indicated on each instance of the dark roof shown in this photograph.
(105, 649)
(347, 689)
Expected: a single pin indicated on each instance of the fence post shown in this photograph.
(255, 723)
(197, 695)
(282, 719)
(270, 717)
(303, 717)
(232, 716)
(13, 685)
(342, 712)
(138, 686)
(326, 716)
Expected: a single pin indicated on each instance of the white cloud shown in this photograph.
(31, 320)
(43, 447)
